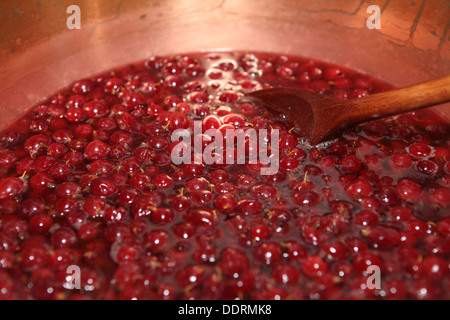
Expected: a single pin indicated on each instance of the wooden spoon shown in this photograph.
(320, 117)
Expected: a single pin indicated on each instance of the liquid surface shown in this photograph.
(93, 206)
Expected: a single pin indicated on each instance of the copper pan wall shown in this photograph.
(39, 54)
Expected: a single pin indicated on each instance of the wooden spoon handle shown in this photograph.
(402, 100)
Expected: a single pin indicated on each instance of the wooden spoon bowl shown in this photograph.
(319, 117)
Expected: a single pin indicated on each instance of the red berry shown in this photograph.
(358, 189)
(96, 108)
(233, 262)
(268, 253)
(408, 190)
(103, 187)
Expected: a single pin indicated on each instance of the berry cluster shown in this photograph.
(87, 180)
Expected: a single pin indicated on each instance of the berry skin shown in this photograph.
(359, 189)
(350, 164)
(225, 203)
(408, 190)
(268, 253)
(40, 223)
(420, 150)
(103, 187)
(96, 109)
(10, 187)
(285, 274)
(96, 150)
